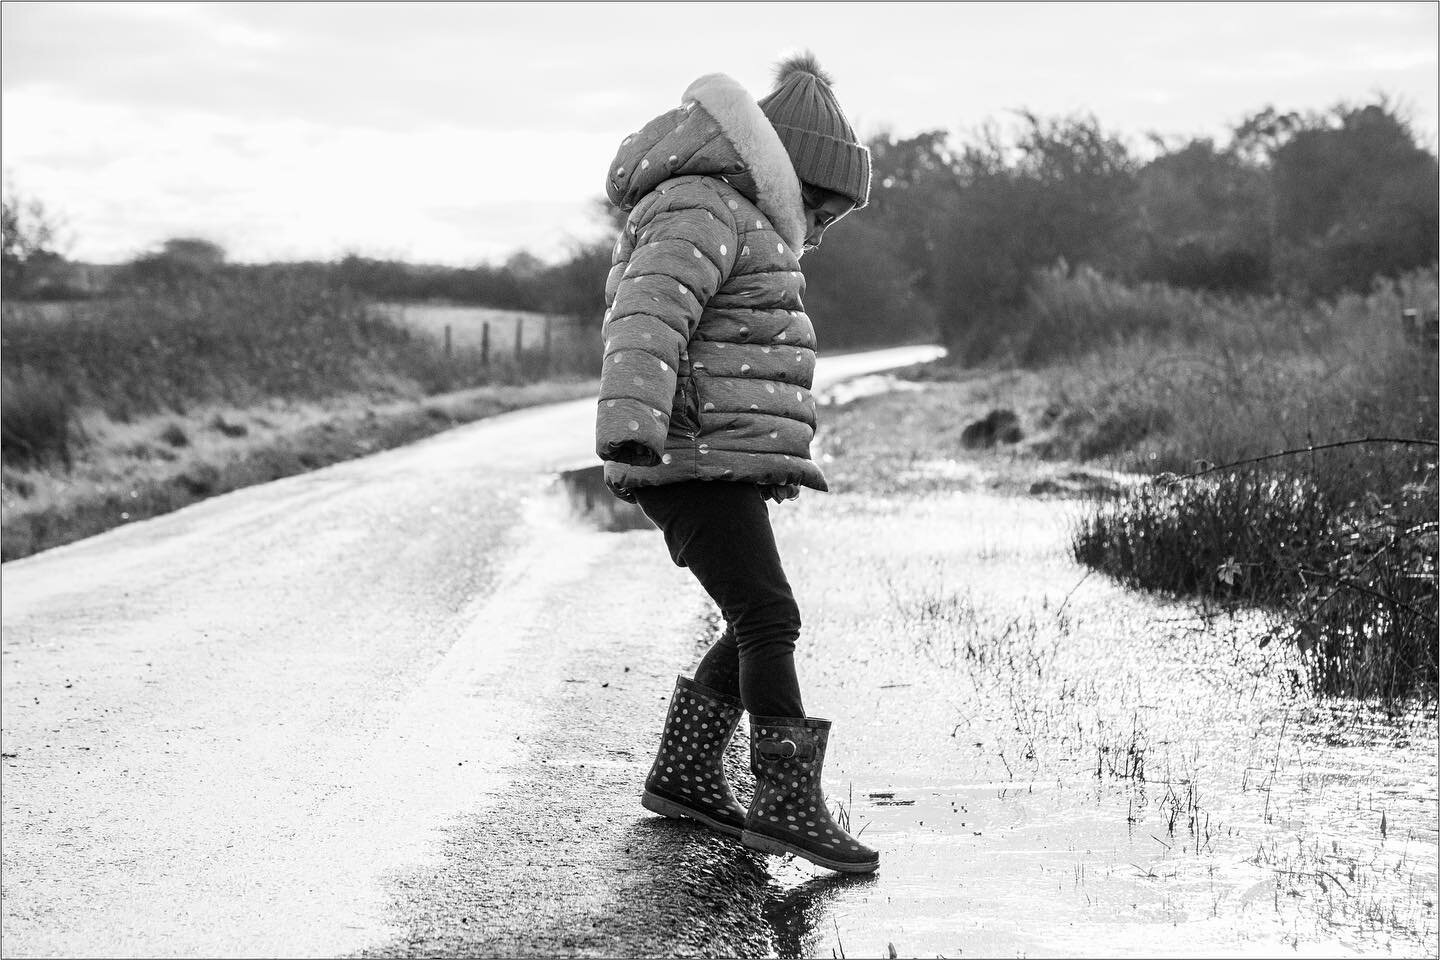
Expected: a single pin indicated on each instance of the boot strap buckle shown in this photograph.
(784, 749)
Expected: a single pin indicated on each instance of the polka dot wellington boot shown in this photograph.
(788, 814)
(688, 776)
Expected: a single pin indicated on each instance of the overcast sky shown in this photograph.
(456, 133)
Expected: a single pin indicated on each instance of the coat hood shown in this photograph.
(718, 130)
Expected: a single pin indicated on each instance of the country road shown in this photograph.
(403, 706)
(252, 727)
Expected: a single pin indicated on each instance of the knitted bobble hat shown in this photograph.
(820, 141)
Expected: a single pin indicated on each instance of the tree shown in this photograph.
(193, 251)
(1061, 192)
(576, 287)
(862, 291)
(913, 187)
(1202, 216)
(28, 237)
(1076, 182)
(177, 260)
(1355, 198)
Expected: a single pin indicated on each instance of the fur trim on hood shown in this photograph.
(717, 131)
(754, 138)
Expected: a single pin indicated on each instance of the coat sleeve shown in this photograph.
(684, 248)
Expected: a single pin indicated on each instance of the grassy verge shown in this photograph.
(1354, 584)
(1338, 539)
(1106, 384)
(138, 405)
(152, 465)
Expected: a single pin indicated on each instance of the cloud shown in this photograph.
(356, 64)
(457, 131)
(292, 185)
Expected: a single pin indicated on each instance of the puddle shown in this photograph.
(1052, 765)
(796, 913)
(868, 385)
(590, 501)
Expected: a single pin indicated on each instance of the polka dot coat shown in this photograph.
(708, 352)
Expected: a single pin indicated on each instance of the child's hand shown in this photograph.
(780, 492)
(632, 452)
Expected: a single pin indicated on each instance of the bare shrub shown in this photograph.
(37, 419)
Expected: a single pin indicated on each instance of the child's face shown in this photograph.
(822, 209)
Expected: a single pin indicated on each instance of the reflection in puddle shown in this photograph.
(680, 859)
(794, 913)
(590, 500)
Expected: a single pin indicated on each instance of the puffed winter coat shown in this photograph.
(708, 352)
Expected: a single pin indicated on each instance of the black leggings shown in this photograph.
(721, 530)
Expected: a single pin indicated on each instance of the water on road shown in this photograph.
(405, 705)
(1055, 766)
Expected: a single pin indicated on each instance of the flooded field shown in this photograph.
(1053, 765)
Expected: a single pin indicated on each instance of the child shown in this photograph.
(705, 413)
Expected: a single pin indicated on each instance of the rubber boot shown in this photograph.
(788, 813)
(688, 776)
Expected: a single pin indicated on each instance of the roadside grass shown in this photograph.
(37, 419)
(1355, 582)
(1074, 313)
(153, 465)
(1342, 541)
(1132, 381)
(240, 336)
(134, 406)
(236, 336)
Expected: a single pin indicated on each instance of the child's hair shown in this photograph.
(816, 197)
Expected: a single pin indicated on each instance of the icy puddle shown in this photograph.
(1052, 765)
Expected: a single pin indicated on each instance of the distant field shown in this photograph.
(48, 311)
(468, 324)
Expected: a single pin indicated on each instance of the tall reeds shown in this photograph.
(1341, 540)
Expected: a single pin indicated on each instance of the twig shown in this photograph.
(1061, 608)
(1344, 582)
(1412, 441)
(1420, 528)
(1335, 881)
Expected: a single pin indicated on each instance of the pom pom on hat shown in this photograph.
(803, 62)
(821, 143)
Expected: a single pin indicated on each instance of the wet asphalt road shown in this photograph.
(400, 705)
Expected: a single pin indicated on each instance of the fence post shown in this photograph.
(1421, 327)
(448, 342)
(519, 336)
(485, 343)
(547, 344)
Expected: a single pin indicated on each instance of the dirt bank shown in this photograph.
(127, 472)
